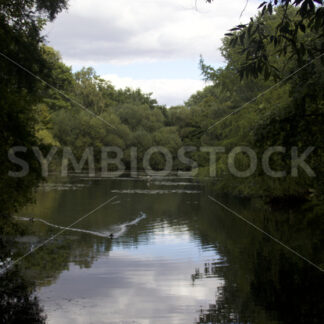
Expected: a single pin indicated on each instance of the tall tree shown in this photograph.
(21, 23)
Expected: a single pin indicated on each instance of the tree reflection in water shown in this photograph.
(263, 282)
(260, 281)
(18, 303)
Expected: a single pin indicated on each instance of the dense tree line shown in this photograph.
(123, 118)
(266, 110)
(290, 114)
(81, 109)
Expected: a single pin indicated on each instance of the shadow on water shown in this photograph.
(18, 302)
(168, 266)
(263, 281)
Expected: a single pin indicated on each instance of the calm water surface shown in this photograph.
(176, 257)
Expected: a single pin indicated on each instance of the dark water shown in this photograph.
(176, 256)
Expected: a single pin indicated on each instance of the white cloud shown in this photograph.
(166, 91)
(100, 32)
(127, 31)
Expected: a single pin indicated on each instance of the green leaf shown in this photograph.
(302, 27)
(242, 36)
(262, 4)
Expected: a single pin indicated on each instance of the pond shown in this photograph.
(161, 251)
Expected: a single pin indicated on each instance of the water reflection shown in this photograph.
(187, 261)
(265, 283)
(18, 303)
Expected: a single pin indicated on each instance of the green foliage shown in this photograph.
(275, 44)
(289, 114)
(286, 28)
(136, 118)
(21, 23)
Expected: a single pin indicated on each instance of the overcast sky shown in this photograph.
(150, 44)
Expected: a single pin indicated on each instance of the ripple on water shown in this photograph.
(154, 192)
(171, 183)
(61, 186)
(119, 229)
